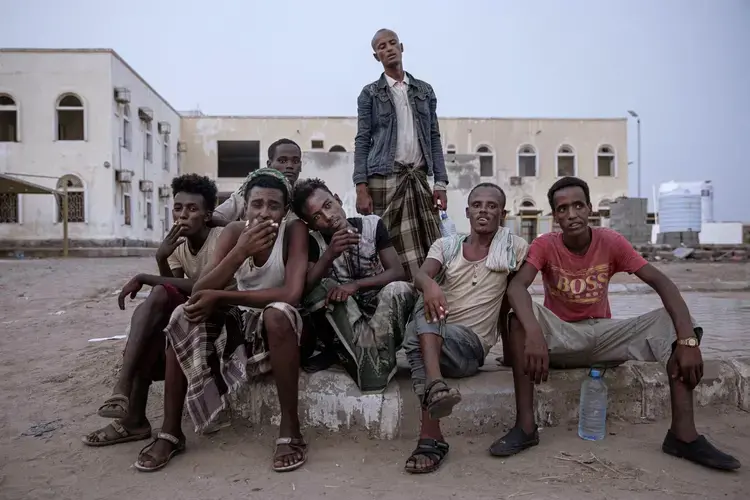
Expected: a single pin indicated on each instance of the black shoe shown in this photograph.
(699, 451)
(515, 441)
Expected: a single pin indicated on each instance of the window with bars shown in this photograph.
(9, 208)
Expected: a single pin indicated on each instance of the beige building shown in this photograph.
(524, 156)
(85, 118)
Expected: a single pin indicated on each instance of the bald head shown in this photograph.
(383, 33)
(387, 48)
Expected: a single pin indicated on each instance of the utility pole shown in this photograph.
(638, 125)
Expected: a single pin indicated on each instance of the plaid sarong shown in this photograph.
(403, 200)
(221, 354)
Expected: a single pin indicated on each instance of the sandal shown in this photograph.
(297, 445)
(442, 407)
(114, 407)
(115, 433)
(515, 441)
(431, 448)
(143, 455)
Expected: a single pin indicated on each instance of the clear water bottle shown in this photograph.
(447, 227)
(592, 412)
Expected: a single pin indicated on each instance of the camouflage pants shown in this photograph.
(368, 333)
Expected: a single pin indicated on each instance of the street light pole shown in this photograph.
(638, 125)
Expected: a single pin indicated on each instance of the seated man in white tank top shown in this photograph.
(220, 339)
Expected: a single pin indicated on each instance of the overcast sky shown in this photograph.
(683, 65)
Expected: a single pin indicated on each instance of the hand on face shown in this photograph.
(257, 236)
(171, 241)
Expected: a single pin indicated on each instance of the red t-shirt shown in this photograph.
(576, 286)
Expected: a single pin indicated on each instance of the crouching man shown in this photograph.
(354, 282)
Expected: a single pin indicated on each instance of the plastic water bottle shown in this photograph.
(447, 227)
(592, 412)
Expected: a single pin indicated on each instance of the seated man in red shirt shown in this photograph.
(574, 328)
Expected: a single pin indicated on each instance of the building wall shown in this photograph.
(503, 137)
(134, 158)
(36, 79)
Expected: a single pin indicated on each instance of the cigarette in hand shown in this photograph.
(274, 224)
(247, 223)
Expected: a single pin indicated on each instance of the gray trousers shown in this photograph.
(461, 356)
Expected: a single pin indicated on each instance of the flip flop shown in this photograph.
(179, 447)
(297, 445)
(114, 407)
(118, 434)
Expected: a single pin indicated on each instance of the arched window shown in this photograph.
(127, 129)
(566, 161)
(8, 119)
(71, 120)
(528, 161)
(486, 161)
(605, 161)
(337, 149)
(76, 199)
(527, 205)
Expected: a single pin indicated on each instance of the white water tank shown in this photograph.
(707, 202)
(680, 207)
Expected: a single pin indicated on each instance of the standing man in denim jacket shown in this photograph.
(397, 147)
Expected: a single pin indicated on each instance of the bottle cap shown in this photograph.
(596, 373)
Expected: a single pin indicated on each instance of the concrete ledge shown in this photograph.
(330, 401)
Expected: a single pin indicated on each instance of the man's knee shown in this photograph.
(158, 298)
(277, 324)
(396, 290)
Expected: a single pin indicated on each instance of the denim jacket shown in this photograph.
(375, 143)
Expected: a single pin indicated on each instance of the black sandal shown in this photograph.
(431, 448)
(442, 407)
(515, 441)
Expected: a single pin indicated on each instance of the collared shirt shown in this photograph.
(408, 150)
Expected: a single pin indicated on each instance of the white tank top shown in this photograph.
(269, 275)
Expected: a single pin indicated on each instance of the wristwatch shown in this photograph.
(689, 342)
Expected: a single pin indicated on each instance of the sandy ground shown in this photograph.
(52, 380)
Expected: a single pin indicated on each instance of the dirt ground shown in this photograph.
(52, 380)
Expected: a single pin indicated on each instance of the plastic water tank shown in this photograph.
(680, 207)
(707, 202)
